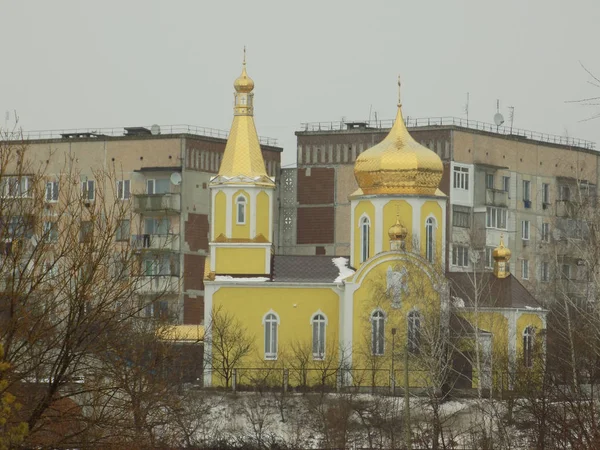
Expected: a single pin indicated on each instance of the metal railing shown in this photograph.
(120, 132)
(448, 121)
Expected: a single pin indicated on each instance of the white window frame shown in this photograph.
(489, 257)
(365, 238)
(528, 346)
(546, 193)
(52, 190)
(545, 232)
(271, 334)
(460, 255)
(564, 191)
(461, 178)
(525, 230)
(489, 180)
(241, 209)
(430, 226)
(15, 187)
(494, 216)
(318, 323)
(150, 186)
(378, 319)
(506, 183)
(50, 231)
(413, 331)
(123, 189)
(88, 190)
(526, 190)
(525, 269)
(545, 271)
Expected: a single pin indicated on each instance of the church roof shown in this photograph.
(493, 292)
(304, 269)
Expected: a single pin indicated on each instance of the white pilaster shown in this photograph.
(253, 194)
(378, 219)
(228, 213)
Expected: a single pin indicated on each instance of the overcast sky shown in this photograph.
(76, 64)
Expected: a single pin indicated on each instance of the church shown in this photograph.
(391, 301)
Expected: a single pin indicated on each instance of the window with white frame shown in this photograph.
(461, 216)
(528, 342)
(525, 269)
(123, 189)
(489, 181)
(460, 256)
(377, 332)
(495, 217)
(564, 192)
(506, 184)
(158, 186)
(526, 190)
(565, 270)
(430, 239)
(546, 232)
(50, 232)
(546, 193)
(414, 331)
(88, 190)
(157, 225)
(461, 178)
(318, 322)
(525, 229)
(575, 228)
(15, 186)
(489, 257)
(545, 271)
(365, 238)
(52, 191)
(240, 203)
(123, 230)
(271, 324)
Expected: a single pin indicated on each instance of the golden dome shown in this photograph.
(501, 252)
(398, 164)
(397, 232)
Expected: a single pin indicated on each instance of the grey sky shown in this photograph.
(70, 64)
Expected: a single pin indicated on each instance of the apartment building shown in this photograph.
(499, 181)
(163, 174)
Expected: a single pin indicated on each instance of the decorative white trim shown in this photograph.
(378, 237)
(272, 356)
(245, 203)
(271, 216)
(253, 211)
(360, 230)
(352, 225)
(319, 357)
(212, 213)
(271, 311)
(312, 318)
(228, 213)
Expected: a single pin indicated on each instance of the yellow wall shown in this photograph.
(220, 213)
(432, 208)
(240, 231)
(295, 307)
(403, 210)
(263, 214)
(240, 260)
(364, 206)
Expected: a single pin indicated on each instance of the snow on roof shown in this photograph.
(342, 265)
(244, 279)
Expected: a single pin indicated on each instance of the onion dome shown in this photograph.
(501, 253)
(243, 83)
(397, 232)
(398, 164)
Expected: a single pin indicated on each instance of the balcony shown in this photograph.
(157, 203)
(496, 197)
(155, 242)
(566, 208)
(158, 284)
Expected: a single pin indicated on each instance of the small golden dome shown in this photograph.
(243, 84)
(397, 232)
(398, 164)
(501, 252)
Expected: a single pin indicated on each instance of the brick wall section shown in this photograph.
(196, 231)
(193, 310)
(193, 272)
(315, 225)
(316, 188)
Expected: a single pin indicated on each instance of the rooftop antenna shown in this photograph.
(370, 108)
(498, 118)
(511, 116)
(467, 109)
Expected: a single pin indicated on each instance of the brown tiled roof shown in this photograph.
(491, 291)
(462, 327)
(311, 269)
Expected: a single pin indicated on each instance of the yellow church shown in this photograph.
(357, 318)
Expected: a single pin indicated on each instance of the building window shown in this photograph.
(318, 322)
(377, 332)
(15, 187)
(461, 216)
(528, 338)
(525, 228)
(430, 239)
(123, 189)
(241, 210)
(52, 191)
(506, 184)
(545, 271)
(526, 190)
(86, 231)
(565, 270)
(159, 186)
(564, 192)
(489, 180)
(525, 269)
(365, 235)
(575, 228)
(495, 217)
(50, 232)
(545, 194)
(414, 332)
(160, 225)
(271, 324)
(460, 256)
(546, 232)
(489, 257)
(461, 178)
(123, 230)
(88, 190)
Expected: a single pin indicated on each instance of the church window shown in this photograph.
(241, 210)
(377, 332)
(318, 323)
(365, 237)
(430, 239)
(528, 337)
(271, 324)
(414, 332)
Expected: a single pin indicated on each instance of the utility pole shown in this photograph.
(406, 402)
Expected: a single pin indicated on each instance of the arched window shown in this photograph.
(271, 324)
(241, 210)
(365, 237)
(414, 332)
(528, 337)
(318, 322)
(377, 332)
(430, 239)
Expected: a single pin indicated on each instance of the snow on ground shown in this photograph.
(344, 270)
